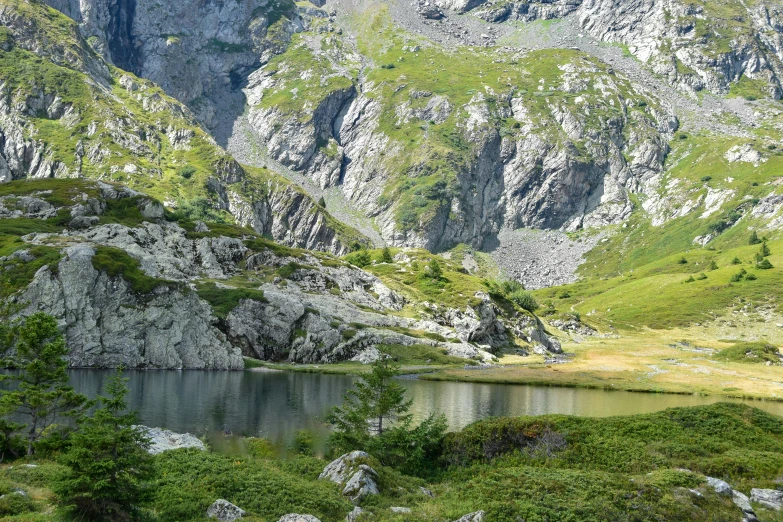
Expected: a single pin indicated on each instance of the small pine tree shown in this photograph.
(764, 250)
(386, 255)
(682, 261)
(107, 462)
(754, 238)
(713, 265)
(373, 405)
(42, 395)
(434, 270)
(736, 261)
(690, 280)
(765, 264)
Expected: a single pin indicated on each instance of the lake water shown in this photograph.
(278, 404)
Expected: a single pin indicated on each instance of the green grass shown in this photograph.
(750, 352)
(656, 295)
(18, 273)
(190, 481)
(223, 300)
(636, 468)
(116, 262)
(419, 354)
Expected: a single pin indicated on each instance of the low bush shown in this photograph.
(750, 352)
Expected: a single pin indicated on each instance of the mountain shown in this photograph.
(585, 149)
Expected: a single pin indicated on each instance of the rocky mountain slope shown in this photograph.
(632, 133)
(68, 113)
(131, 286)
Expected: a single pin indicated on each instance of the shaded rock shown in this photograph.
(224, 511)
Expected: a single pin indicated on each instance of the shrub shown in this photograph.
(690, 280)
(750, 352)
(702, 276)
(713, 265)
(524, 300)
(764, 264)
(706, 178)
(386, 255)
(361, 258)
(15, 503)
(199, 209)
(682, 261)
(750, 277)
(187, 171)
(434, 270)
(736, 261)
(754, 238)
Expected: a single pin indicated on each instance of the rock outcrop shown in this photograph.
(165, 440)
(357, 479)
(224, 511)
(107, 324)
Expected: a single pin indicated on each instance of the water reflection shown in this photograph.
(278, 404)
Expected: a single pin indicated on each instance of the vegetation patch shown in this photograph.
(117, 263)
(750, 352)
(223, 300)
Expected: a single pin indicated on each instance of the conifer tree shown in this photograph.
(374, 404)
(42, 396)
(108, 464)
(386, 256)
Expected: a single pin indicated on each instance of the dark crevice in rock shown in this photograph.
(122, 46)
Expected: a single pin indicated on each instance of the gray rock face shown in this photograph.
(769, 498)
(477, 516)
(107, 324)
(224, 511)
(663, 35)
(165, 440)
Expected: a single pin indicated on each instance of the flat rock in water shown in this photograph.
(225, 511)
(165, 440)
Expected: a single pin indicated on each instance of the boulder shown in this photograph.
(721, 487)
(476, 516)
(398, 509)
(165, 440)
(358, 479)
(769, 498)
(743, 502)
(362, 483)
(224, 511)
(295, 517)
(354, 515)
